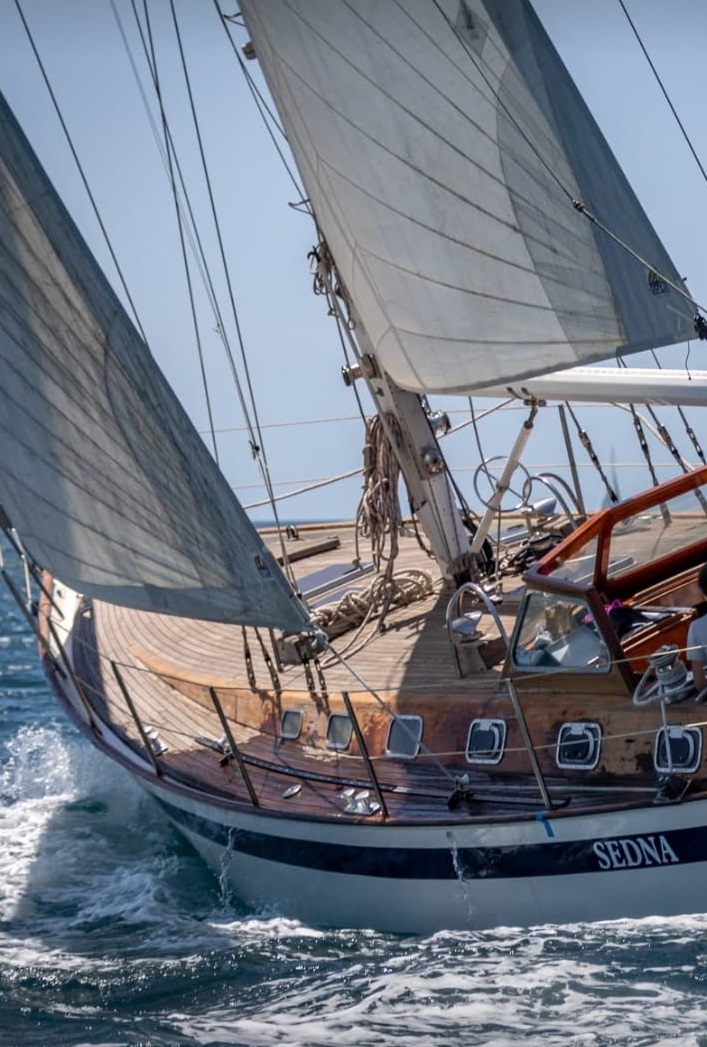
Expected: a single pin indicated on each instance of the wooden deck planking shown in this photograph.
(411, 661)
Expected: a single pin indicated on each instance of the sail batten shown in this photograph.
(442, 145)
(102, 473)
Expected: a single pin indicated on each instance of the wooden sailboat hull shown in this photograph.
(643, 858)
(421, 880)
(352, 832)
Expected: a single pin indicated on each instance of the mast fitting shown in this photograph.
(366, 367)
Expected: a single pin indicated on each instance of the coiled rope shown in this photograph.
(378, 519)
(376, 600)
(378, 516)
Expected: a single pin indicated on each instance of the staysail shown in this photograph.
(103, 475)
(442, 143)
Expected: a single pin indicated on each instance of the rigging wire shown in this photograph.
(262, 105)
(643, 443)
(660, 431)
(191, 227)
(315, 486)
(666, 439)
(586, 443)
(81, 171)
(483, 460)
(664, 91)
(511, 401)
(170, 156)
(257, 447)
(690, 432)
(579, 206)
(169, 149)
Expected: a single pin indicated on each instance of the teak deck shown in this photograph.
(168, 667)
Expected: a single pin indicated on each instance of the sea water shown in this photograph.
(113, 932)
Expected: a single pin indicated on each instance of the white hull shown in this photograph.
(457, 899)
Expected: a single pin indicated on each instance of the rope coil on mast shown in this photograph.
(379, 519)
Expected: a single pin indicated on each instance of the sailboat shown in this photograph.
(452, 719)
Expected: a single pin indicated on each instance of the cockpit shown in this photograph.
(619, 586)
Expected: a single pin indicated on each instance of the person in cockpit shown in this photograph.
(697, 637)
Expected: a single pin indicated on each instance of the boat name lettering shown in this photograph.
(630, 852)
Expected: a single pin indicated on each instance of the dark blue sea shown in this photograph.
(113, 932)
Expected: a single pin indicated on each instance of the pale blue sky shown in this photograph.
(292, 346)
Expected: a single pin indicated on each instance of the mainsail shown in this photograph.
(102, 473)
(442, 145)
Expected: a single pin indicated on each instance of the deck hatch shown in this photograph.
(338, 731)
(486, 741)
(685, 753)
(578, 746)
(404, 737)
(291, 724)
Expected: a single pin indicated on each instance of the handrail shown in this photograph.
(485, 599)
(453, 614)
(555, 484)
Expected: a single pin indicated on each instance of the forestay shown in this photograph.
(442, 144)
(102, 473)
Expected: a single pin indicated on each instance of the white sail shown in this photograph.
(101, 472)
(442, 145)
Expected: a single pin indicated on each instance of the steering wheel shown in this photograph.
(492, 476)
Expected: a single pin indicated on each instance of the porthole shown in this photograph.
(578, 746)
(404, 736)
(338, 731)
(685, 749)
(291, 724)
(486, 741)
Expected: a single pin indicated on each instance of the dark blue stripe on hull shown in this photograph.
(675, 847)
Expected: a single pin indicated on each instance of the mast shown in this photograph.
(423, 466)
(410, 434)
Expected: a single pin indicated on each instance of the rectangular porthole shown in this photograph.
(338, 731)
(578, 746)
(291, 724)
(404, 736)
(486, 741)
(685, 749)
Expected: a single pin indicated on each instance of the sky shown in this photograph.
(292, 347)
